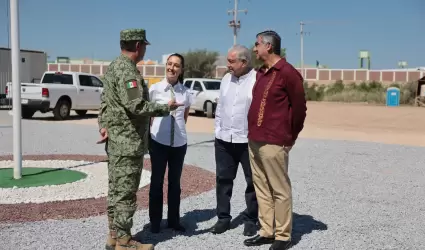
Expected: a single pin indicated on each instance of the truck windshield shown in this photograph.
(57, 78)
(212, 85)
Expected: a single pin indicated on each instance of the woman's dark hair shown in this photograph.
(181, 76)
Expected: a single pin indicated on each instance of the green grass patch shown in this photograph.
(35, 177)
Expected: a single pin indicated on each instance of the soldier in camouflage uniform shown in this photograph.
(124, 124)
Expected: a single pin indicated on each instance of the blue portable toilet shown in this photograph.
(393, 97)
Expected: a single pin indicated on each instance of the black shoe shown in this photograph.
(280, 245)
(155, 228)
(220, 227)
(177, 227)
(258, 241)
(250, 229)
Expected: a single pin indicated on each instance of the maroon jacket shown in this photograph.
(278, 107)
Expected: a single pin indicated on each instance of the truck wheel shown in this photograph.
(199, 113)
(81, 112)
(209, 110)
(27, 113)
(62, 110)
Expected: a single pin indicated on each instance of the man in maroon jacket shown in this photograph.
(275, 119)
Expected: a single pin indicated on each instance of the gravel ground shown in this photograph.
(347, 195)
(95, 185)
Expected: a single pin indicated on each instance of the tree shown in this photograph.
(257, 63)
(200, 63)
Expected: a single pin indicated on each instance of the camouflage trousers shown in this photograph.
(124, 174)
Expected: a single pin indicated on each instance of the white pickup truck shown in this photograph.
(204, 92)
(60, 92)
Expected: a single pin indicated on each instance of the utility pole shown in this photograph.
(302, 33)
(16, 89)
(302, 47)
(235, 23)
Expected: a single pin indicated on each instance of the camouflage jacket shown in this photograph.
(125, 109)
(102, 109)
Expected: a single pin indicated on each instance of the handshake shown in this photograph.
(172, 105)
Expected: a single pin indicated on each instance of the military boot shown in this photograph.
(111, 240)
(126, 243)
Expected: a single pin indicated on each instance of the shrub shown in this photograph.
(369, 92)
(408, 93)
(357, 96)
(314, 92)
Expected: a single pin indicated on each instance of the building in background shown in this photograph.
(164, 58)
(154, 71)
(33, 65)
(98, 67)
(68, 60)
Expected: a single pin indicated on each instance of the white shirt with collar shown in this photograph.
(161, 126)
(231, 116)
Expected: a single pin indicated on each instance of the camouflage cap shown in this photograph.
(133, 35)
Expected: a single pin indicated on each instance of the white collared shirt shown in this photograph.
(231, 116)
(161, 126)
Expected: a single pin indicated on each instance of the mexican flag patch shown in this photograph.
(131, 84)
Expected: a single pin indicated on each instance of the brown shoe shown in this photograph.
(126, 243)
(111, 240)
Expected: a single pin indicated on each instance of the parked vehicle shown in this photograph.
(60, 92)
(204, 93)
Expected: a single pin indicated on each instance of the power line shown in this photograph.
(235, 23)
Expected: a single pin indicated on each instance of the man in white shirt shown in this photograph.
(231, 143)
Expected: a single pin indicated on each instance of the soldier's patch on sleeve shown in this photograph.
(131, 84)
(132, 89)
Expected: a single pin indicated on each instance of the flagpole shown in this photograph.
(16, 87)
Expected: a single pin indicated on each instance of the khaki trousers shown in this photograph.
(269, 164)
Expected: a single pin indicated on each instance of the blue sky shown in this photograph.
(391, 30)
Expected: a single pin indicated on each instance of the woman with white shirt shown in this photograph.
(168, 144)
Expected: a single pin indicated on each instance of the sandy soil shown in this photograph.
(340, 121)
(361, 122)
